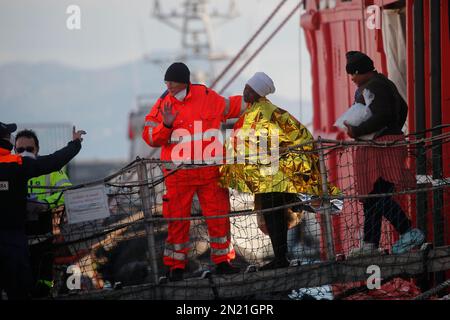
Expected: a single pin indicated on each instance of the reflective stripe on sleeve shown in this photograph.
(150, 135)
(243, 106)
(227, 107)
(151, 124)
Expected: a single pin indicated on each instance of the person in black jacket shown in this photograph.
(380, 170)
(15, 171)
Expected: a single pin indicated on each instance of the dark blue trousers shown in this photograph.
(15, 270)
(377, 208)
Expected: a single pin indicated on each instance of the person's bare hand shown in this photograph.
(76, 135)
(350, 132)
(168, 115)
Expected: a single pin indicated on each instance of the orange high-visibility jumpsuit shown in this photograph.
(201, 110)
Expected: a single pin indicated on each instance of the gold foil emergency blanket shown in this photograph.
(295, 171)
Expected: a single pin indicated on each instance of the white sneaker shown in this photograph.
(367, 249)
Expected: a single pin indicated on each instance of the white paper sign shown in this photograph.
(86, 204)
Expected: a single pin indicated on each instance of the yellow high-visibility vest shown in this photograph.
(53, 197)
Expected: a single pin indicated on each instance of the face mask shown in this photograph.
(28, 154)
(180, 95)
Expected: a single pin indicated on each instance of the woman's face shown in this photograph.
(250, 95)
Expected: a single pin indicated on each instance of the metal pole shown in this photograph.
(420, 125)
(420, 118)
(326, 222)
(436, 120)
(436, 116)
(145, 195)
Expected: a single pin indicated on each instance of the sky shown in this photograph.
(114, 32)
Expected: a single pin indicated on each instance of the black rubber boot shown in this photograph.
(175, 274)
(226, 268)
(275, 264)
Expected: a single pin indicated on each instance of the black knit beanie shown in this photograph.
(177, 72)
(358, 63)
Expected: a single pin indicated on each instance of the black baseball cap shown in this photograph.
(7, 128)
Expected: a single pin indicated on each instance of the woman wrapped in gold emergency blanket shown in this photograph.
(261, 160)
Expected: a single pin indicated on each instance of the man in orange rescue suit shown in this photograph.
(185, 123)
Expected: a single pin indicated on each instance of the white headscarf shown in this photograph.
(262, 84)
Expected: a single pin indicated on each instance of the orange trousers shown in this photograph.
(214, 201)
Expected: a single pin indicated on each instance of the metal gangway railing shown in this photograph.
(120, 256)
